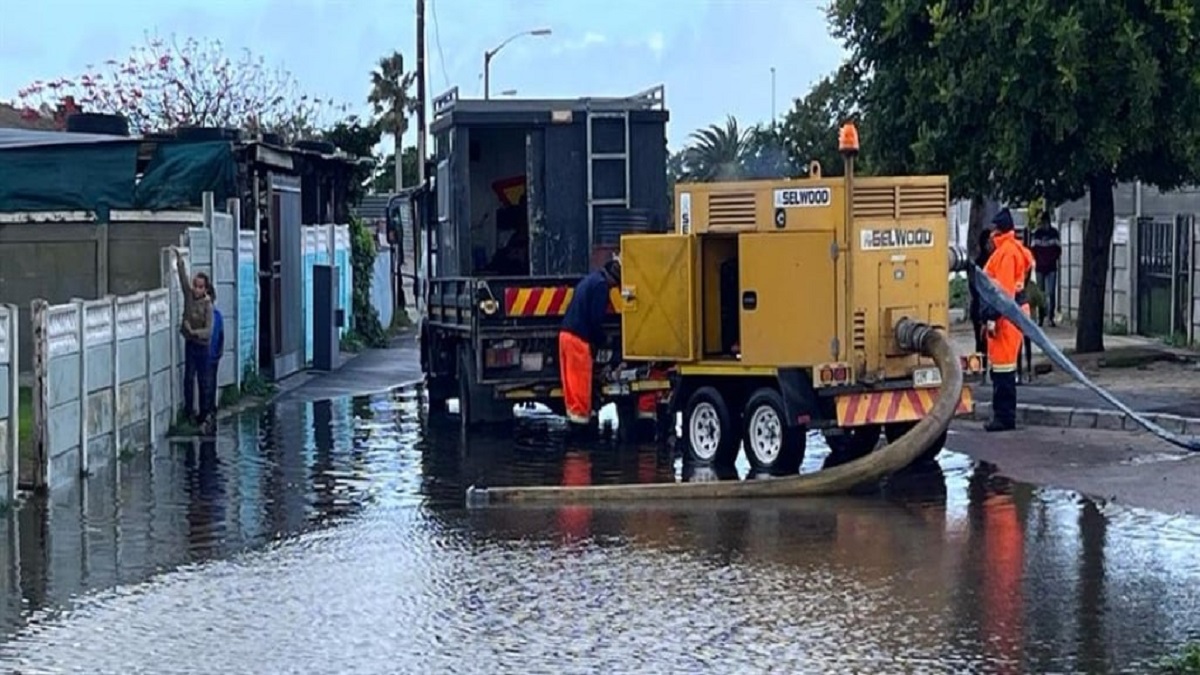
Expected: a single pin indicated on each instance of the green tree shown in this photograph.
(1033, 98)
(354, 137)
(385, 173)
(718, 152)
(391, 98)
(810, 128)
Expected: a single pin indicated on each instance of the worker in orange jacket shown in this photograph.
(1009, 267)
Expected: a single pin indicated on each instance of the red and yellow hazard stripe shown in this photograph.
(899, 405)
(547, 301)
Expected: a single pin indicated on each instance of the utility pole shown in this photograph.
(420, 92)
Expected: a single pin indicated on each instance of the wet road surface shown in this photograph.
(332, 537)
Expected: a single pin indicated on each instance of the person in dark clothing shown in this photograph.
(582, 334)
(1047, 249)
(975, 310)
(216, 349)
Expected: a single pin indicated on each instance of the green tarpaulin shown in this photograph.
(100, 176)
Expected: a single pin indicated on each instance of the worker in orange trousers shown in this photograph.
(1009, 267)
(581, 336)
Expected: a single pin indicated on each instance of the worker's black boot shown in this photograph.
(1004, 402)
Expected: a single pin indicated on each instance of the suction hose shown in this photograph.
(893, 457)
(990, 295)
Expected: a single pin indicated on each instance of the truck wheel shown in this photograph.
(772, 445)
(853, 443)
(895, 431)
(630, 427)
(475, 403)
(439, 390)
(709, 428)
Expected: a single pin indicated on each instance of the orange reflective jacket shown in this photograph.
(1009, 266)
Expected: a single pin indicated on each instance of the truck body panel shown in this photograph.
(529, 197)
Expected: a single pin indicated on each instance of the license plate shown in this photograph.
(531, 362)
(924, 378)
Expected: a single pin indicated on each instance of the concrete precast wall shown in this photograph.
(9, 403)
(102, 382)
(1117, 292)
(57, 256)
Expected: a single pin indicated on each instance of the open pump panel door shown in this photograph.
(658, 295)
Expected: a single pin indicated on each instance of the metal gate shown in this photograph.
(1163, 276)
(287, 289)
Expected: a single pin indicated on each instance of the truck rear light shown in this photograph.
(972, 364)
(831, 374)
(504, 354)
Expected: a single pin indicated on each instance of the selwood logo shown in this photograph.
(896, 238)
(788, 198)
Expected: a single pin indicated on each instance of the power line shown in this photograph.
(437, 38)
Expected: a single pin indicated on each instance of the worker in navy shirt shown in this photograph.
(582, 334)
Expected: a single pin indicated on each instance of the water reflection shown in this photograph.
(332, 537)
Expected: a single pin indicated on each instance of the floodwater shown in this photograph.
(333, 538)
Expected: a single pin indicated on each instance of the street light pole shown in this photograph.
(772, 97)
(487, 56)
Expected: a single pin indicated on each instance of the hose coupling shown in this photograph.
(960, 259)
(913, 335)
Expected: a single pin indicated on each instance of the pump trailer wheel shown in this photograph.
(709, 428)
(772, 445)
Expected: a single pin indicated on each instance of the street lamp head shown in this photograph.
(540, 31)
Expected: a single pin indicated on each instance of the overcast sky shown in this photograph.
(714, 56)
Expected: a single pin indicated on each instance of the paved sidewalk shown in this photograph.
(368, 372)
(1157, 381)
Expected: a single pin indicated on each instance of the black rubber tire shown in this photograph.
(189, 133)
(630, 427)
(853, 443)
(323, 147)
(792, 439)
(895, 431)
(727, 428)
(98, 123)
(439, 391)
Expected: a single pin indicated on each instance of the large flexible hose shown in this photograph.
(990, 295)
(893, 457)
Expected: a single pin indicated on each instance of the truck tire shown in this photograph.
(710, 431)
(630, 427)
(98, 123)
(853, 443)
(476, 405)
(895, 431)
(772, 445)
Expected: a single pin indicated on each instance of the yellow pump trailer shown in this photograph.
(776, 301)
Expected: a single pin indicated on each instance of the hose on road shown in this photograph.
(891, 458)
(991, 295)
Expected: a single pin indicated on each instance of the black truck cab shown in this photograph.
(527, 197)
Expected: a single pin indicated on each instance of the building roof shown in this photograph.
(373, 207)
(25, 138)
(13, 118)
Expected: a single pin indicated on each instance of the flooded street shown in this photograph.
(333, 538)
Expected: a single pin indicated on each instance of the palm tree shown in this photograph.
(718, 153)
(392, 100)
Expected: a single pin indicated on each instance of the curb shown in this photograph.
(1089, 418)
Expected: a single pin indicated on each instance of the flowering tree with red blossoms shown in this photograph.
(162, 85)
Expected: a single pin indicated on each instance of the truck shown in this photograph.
(777, 304)
(527, 196)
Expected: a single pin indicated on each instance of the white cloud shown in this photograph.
(586, 41)
(656, 43)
